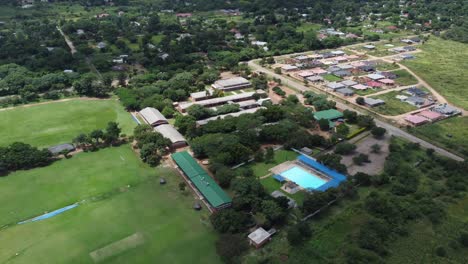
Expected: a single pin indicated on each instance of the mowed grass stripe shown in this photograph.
(59, 122)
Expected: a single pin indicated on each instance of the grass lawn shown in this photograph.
(331, 78)
(59, 122)
(261, 168)
(271, 185)
(308, 27)
(444, 64)
(404, 78)
(172, 231)
(437, 132)
(392, 106)
(367, 91)
(385, 66)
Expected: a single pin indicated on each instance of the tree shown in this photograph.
(277, 70)
(464, 239)
(259, 156)
(365, 121)
(230, 247)
(362, 178)
(97, 135)
(229, 221)
(112, 132)
(298, 233)
(350, 116)
(360, 159)
(269, 155)
(323, 124)
(378, 132)
(376, 148)
(182, 186)
(342, 130)
(360, 101)
(345, 148)
(224, 175)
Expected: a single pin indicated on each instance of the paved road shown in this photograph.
(392, 130)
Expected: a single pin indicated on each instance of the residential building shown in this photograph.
(231, 84)
(416, 120)
(345, 91)
(446, 109)
(415, 100)
(431, 115)
(371, 102)
(334, 86)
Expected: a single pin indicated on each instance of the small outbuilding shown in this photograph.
(58, 149)
(259, 237)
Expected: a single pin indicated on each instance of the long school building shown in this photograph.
(200, 180)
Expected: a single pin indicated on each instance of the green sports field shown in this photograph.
(119, 196)
(59, 122)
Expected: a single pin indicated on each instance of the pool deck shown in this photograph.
(278, 169)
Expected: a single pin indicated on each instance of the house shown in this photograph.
(80, 32)
(371, 102)
(259, 237)
(305, 74)
(446, 109)
(318, 71)
(101, 45)
(353, 57)
(58, 149)
(375, 76)
(231, 84)
(415, 100)
(184, 15)
(345, 67)
(374, 84)
(397, 50)
(333, 69)
(345, 91)
(369, 47)
(359, 87)
(152, 116)
(367, 68)
(338, 52)
(315, 78)
(203, 95)
(414, 91)
(389, 75)
(341, 59)
(334, 86)
(348, 83)
(302, 58)
(342, 73)
(288, 68)
(416, 120)
(433, 116)
(409, 48)
(388, 82)
(415, 39)
(291, 202)
(407, 41)
(331, 115)
(407, 56)
(169, 132)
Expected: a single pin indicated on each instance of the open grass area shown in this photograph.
(393, 106)
(59, 122)
(331, 78)
(385, 66)
(438, 132)
(444, 64)
(261, 168)
(308, 27)
(404, 78)
(168, 229)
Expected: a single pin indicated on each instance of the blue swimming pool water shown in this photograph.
(303, 178)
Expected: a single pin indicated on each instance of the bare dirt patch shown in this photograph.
(377, 159)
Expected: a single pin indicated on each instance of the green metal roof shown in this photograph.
(200, 178)
(329, 114)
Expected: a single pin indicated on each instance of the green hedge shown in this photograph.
(355, 133)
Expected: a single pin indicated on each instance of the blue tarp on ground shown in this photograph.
(337, 177)
(49, 215)
(279, 178)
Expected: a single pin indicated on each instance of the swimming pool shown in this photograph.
(303, 178)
